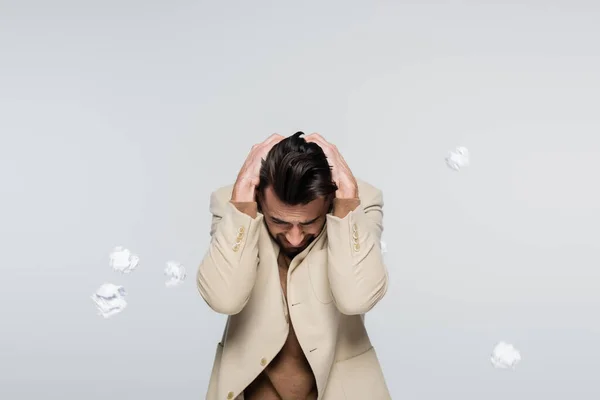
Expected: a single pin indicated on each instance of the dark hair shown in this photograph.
(298, 172)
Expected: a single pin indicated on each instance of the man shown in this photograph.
(295, 262)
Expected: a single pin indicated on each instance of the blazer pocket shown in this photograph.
(362, 378)
(319, 280)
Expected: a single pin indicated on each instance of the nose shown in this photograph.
(295, 236)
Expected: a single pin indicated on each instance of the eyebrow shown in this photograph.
(301, 223)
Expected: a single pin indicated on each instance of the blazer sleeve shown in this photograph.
(228, 271)
(357, 273)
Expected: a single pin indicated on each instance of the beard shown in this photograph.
(294, 251)
(291, 252)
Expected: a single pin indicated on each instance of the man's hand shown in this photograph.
(249, 176)
(341, 174)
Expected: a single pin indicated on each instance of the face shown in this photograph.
(293, 227)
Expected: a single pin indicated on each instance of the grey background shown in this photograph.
(118, 118)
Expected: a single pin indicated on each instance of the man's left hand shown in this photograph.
(340, 172)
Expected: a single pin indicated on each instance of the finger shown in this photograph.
(265, 146)
(317, 135)
(329, 149)
(312, 136)
(273, 138)
(328, 144)
(320, 140)
(271, 144)
(315, 138)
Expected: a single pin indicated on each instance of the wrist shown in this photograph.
(243, 192)
(347, 193)
(345, 196)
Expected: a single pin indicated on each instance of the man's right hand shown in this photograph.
(249, 176)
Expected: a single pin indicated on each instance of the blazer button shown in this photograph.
(263, 361)
(230, 395)
(356, 247)
(236, 247)
(241, 229)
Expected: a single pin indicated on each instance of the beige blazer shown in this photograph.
(331, 285)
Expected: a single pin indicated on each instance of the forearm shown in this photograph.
(227, 274)
(357, 273)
